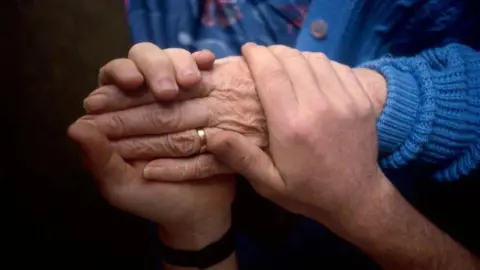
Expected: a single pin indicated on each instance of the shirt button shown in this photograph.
(318, 29)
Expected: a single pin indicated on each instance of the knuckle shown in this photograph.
(316, 56)
(285, 52)
(182, 144)
(201, 168)
(158, 66)
(172, 52)
(346, 70)
(138, 49)
(131, 149)
(307, 54)
(298, 129)
(343, 70)
(166, 118)
(279, 49)
(117, 124)
(300, 133)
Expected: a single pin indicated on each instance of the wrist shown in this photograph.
(196, 236)
(365, 210)
(375, 86)
(210, 246)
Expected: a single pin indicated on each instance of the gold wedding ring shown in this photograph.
(203, 140)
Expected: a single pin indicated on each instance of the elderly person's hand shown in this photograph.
(167, 70)
(225, 99)
(158, 130)
(191, 215)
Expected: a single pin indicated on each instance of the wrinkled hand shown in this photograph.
(190, 214)
(233, 105)
(322, 135)
(224, 99)
(166, 70)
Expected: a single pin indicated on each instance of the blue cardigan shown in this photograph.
(426, 49)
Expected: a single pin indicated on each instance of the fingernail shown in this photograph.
(150, 172)
(166, 85)
(95, 103)
(166, 89)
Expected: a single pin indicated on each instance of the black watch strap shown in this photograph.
(210, 255)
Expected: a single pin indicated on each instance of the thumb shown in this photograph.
(103, 162)
(247, 159)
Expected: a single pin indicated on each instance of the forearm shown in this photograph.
(395, 235)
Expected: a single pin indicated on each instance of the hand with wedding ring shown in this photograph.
(192, 214)
(202, 135)
(172, 136)
(225, 99)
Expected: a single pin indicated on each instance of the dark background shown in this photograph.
(51, 215)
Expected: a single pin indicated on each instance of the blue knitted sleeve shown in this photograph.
(432, 111)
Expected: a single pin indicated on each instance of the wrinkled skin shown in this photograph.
(229, 103)
(225, 101)
(191, 209)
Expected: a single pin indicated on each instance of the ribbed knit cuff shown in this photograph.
(432, 110)
(399, 115)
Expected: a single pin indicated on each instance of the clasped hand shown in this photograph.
(321, 140)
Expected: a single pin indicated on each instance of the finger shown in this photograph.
(301, 75)
(186, 69)
(204, 59)
(122, 73)
(105, 164)
(272, 82)
(184, 169)
(247, 159)
(153, 119)
(157, 69)
(327, 78)
(351, 83)
(181, 144)
(110, 98)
